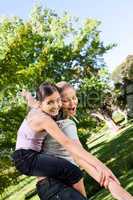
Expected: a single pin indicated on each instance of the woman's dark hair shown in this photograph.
(46, 89)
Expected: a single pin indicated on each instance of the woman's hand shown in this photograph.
(105, 175)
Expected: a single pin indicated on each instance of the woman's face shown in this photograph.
(52, 104)
(69, 101)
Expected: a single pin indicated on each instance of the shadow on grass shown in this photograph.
(127, 184)
(117, 154)
(13, 189)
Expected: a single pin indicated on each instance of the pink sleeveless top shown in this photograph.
(27, 138)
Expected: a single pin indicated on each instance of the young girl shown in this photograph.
(28, 157)
(69, 100)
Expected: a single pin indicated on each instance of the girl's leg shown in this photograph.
(58, 168)
(39, 164)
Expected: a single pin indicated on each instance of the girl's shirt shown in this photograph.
(52, 147)
(27, 138)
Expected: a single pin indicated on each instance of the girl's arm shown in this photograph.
(40, 122)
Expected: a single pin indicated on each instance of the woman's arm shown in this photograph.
(116, 190)
(40, 122)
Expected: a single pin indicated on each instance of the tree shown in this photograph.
(124, 70)
(98, 98)
(123, 77)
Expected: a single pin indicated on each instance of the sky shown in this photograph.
(116, 18)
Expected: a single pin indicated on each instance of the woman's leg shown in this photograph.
(79, 186)
(51, 189)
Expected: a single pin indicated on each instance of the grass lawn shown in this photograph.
(19, 191)
(114, 149)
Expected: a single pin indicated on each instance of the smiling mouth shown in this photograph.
(53, 111)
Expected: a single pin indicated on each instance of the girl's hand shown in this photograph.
(105, 175)
(31, 101)
(25, 94)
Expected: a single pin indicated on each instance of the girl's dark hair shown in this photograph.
(46, 89)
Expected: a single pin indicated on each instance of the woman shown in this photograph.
(28, 157)
(69, 97)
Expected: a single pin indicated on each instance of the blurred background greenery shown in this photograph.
(49, 47)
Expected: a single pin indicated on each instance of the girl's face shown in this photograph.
(52, 104)
(69, 101)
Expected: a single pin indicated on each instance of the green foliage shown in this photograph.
(123, 78)
(10, 120)
(124, 70)
(95, 93)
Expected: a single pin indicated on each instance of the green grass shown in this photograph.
(127, 181)
(18, 191)
(114, 149)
